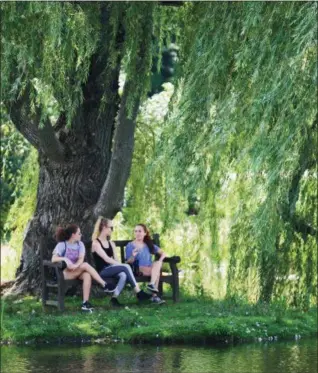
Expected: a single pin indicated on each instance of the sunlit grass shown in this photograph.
(189, 321)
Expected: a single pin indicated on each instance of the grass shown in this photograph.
(190, 321)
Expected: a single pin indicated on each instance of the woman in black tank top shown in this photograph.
(100, 262)
(107, 264)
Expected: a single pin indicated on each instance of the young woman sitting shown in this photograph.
(107, 264)
(141, 250)
(71, 250)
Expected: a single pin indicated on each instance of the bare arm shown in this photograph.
(99, 251)
(162, 255)
(56, 259)
(114, 251)
(69, 264)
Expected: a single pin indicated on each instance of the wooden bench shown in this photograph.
(53, 280)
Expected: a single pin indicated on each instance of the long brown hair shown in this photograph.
(147, 239)
(64, 234)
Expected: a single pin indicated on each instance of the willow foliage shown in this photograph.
(48, 48)
(242, 131)
(239, 139)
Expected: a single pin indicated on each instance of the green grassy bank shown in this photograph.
(190, 321)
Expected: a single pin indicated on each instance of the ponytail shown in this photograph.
(64, 234)
(99, 225)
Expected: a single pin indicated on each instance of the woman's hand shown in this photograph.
(135, 252)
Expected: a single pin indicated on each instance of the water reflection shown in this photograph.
(291, 357)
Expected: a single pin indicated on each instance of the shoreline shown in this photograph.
(215, 342)
(192, 321)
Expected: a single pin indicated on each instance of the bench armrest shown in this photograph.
(58, 268)
(48, 263)
(172, 259)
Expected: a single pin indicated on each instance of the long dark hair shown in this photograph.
(147, 239)
(64, 234)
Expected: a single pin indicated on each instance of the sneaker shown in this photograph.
(143, 296)
(152, 288)
(114, 303)
(109, 288)
(86, 306)
(157, 300)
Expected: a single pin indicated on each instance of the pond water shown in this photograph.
(275, 357)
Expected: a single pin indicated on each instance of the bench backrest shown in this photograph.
(51, 243)
(123, 243)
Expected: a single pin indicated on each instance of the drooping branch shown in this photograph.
(302, 227)
(94, 88)
(306, 161)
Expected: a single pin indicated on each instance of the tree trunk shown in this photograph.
(67, 193)
(84, 167)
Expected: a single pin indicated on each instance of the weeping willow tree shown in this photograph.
(241, 139)
(252, 115)
(60, 69)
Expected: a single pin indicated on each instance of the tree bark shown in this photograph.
(83, 169)
(112, 193)
(67, 193)
(69, 186)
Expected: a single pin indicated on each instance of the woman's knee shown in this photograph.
(128, 269)
(122, 275)
(84, 266)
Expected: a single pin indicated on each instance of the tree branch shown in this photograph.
(44, 139)
(94, 88)
(121, 159)
(49, 144)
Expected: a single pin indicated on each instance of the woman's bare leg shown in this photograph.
(87, 283)
(155, 273)
(92, 271)
(84, 267)
(72, 275)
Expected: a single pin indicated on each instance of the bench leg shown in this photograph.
(160, 288)
(175, 285)
(175, 292)
(60, 297)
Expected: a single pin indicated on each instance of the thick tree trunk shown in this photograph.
(67, 193)
(84, 167)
